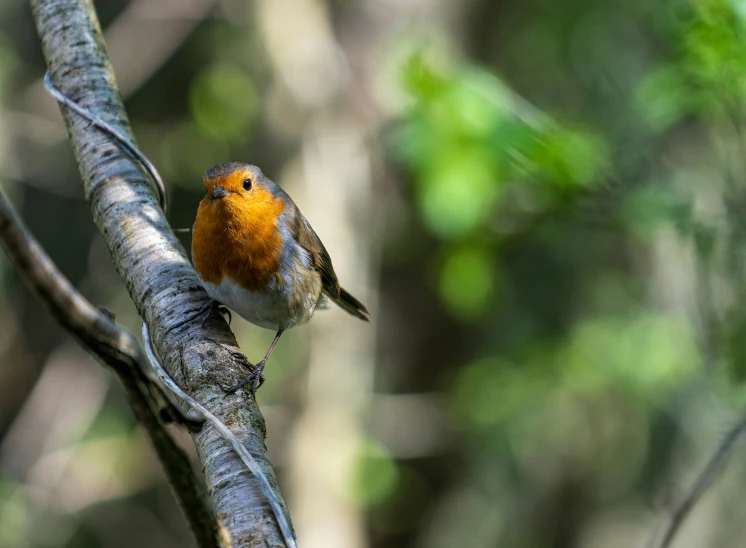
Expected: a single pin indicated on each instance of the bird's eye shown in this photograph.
(247, 184)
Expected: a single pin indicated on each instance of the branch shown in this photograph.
(205, 361)
(244, 455)
(706, 478)
(113, 346)
(125, 143)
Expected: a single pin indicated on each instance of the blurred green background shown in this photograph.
(542, 203)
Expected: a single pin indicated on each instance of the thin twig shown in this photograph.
(707, 477)
(112, 345)
(245, 456)
(125, 143)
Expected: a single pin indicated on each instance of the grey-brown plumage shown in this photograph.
(308, 240)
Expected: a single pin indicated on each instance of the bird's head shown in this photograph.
(241, 189)
(234, 180)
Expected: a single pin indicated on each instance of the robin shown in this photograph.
(256, 253)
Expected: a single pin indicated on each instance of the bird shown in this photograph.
(256, 254)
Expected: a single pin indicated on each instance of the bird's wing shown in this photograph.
(305, 236)
(301, 230)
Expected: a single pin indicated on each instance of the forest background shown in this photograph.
(543, 204)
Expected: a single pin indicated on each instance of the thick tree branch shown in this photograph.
(115, 347)
(156, 271)
(243, 454)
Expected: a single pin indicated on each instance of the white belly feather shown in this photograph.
(278, 305)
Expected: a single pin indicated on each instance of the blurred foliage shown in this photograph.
(471, 143)
(376, 475)
(590, 395)
(467, 137)
(707, 75)
(223, 102)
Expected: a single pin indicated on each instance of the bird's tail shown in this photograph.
(351, 305)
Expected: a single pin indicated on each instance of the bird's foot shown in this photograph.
(214, 306)
(255, 380)
(204, 313)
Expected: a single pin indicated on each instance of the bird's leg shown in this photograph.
(255, 378)
(205, 311)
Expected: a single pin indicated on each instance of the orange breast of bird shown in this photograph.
(238, 238)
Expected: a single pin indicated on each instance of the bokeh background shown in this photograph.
(542, 203)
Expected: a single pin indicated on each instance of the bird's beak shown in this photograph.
(219, 192)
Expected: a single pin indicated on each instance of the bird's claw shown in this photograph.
(255, 380)
(208, 309)
(205, 313)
